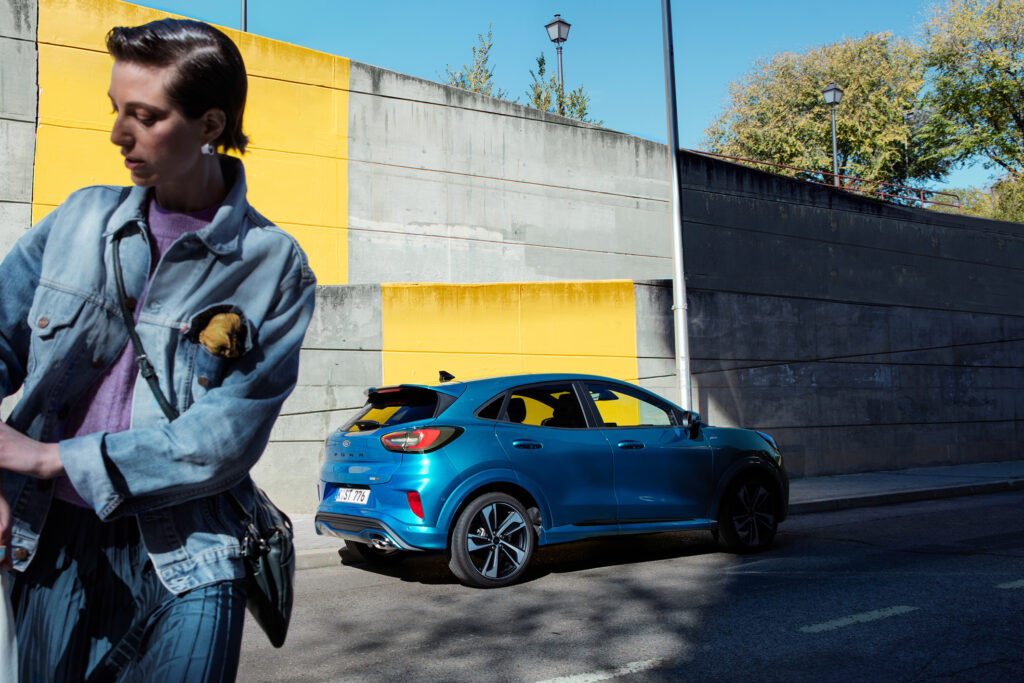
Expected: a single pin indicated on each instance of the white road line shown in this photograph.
(607, 674)
(861, 618)
(1012, 584)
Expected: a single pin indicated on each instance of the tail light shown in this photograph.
(419, 440)
(415, 504)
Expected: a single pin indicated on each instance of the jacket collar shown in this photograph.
(221, 236)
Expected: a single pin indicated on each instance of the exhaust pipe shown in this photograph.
(382, 543)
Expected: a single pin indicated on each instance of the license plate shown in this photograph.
(357, 496)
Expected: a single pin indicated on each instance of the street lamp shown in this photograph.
(833, 93)
(558, 31)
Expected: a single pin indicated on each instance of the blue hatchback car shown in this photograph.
(488, 469)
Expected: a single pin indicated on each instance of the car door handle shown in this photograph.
(630, 445)
(526, 443)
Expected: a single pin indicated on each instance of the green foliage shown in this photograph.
(884, 129)
(976, 48)
(478, 76)
(547, 94)
(1004, 201)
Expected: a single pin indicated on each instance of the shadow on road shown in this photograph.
(563, 558)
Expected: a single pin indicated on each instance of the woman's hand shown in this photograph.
(19, 453)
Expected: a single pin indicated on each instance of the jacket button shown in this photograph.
(43, 322)
(204, 382)
(98, 363)
(20, 554)
(131, 302)
(64, 411)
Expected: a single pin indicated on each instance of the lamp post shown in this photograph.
(558, 31)
(245, 18)
(833, 94)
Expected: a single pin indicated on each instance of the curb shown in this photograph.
(913, 495)
(316, 558)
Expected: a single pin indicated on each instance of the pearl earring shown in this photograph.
(208, 149)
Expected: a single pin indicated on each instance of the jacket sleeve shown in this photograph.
(19, 277)
(214, 443)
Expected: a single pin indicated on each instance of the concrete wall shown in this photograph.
(450, 186)
(18, 59)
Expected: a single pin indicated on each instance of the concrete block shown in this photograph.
(288, 473)
(17, 139)
(18, 90)
(15, 219)
(346, 318)
(18, 19)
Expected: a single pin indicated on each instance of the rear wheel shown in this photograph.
(370, 555)
(492, 542)
(748, 517)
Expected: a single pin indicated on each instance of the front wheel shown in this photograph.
(748, 517)
(492, 542)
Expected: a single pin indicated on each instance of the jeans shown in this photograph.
(91, 606)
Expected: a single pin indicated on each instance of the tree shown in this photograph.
(976, 48)
(885, 130)
(547, 94)
(1004, 201)
(479, 76)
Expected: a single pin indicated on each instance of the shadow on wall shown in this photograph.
(850, 388)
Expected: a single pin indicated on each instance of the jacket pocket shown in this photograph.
(51, 317)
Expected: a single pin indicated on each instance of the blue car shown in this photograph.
(486, 470)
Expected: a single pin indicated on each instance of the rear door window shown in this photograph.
(547, 405)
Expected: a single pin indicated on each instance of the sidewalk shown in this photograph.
(814, 494)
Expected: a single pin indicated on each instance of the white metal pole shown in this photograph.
(245, 19)
(835, 149)
(679, 272)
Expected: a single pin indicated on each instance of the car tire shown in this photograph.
(748, 516)
(492, 542)
(370, 555)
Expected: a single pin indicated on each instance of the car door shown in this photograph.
(661, 473)
(543, 430)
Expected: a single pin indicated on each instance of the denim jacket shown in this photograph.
(61, 328)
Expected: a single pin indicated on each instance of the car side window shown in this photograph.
(491, 410)
(619, 406)
(548, 405)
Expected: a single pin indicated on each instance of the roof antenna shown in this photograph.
(446, 376)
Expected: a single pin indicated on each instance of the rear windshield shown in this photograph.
(397, 405)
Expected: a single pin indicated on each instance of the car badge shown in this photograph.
(346, 443)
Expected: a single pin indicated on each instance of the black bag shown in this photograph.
(269, 555)
(267, 546)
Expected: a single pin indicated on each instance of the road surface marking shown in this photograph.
(861, 618)
(607, 674)
(1012, 584)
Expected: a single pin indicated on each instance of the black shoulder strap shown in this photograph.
(145, 367)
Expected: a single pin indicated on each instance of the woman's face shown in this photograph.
(160, 145)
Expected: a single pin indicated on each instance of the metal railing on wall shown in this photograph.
(884, 190)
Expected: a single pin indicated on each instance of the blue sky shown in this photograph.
(614, 48)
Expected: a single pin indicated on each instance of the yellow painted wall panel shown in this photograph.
(70, 158)
(284, 61)
(85, 23)
(292, 117)
(326, 249)
(451, 317)
(73, 85)
(297, 116)
(494, 329)
(422, 368)
(609, 327)
(294, 188)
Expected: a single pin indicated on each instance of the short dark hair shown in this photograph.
(210, 73)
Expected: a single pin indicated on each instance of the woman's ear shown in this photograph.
(213, 122)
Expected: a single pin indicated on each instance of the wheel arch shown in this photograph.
(756, 465)
(501, 481)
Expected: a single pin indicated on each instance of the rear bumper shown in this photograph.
(368, 529)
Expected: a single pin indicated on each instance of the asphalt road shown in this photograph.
(929, 591)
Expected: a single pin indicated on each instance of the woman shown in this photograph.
(124, 535)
